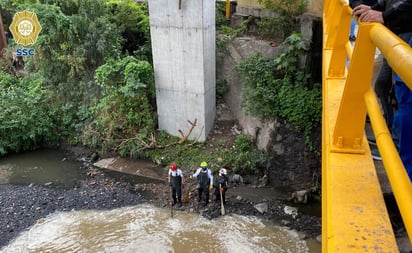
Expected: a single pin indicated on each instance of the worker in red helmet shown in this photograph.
(176, 181)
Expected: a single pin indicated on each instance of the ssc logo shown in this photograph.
(25, 27)
(25, 52)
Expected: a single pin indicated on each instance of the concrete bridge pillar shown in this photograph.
(183, 47)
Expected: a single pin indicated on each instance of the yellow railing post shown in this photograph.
(350, 123)
(337, 39)
(330, 7)
(227, 9)
(354, 215)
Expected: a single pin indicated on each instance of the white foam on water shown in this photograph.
(145, 228)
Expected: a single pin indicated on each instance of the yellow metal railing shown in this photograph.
(354, 217)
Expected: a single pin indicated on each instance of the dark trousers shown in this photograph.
(177, 194)
(217, 195)
(203, 190)
(383, 86)
(402, 126)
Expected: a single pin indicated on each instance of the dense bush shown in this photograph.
(76, 38)
(278, 88)
(91, 82)
(26, 120)
(284, 22)
(124, 117)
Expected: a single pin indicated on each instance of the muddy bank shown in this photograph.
(23, 205)
(262, 202)
(248, 199)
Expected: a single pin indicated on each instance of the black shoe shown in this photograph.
(376, 155)
(179, 205)
(371, 139)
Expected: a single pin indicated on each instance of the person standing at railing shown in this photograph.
(353, 24)
(396, 15)
(402, 121)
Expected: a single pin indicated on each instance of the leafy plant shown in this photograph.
(284, 22)
(291, 8)
(226, 34)
(76, 38)
(243, 157)
(221, 89)
(275, 28)
(288, 61)
(316, 185)
(220, 14)
(132, 21)
(278, 88)
(124, 116)
(26, 121)
(243, 142)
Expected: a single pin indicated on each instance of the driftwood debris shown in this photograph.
(152, 144)
(184, 137)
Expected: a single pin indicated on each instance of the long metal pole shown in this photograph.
(227, 9)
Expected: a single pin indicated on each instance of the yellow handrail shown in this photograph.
(347, 167)
(399, 56)
(227, 10)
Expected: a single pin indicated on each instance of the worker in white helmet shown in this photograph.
(221, 185)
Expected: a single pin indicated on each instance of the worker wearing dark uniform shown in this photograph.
(221, 185)
(205, 182)
(176, 181)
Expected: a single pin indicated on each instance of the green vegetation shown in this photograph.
(278, 88)
(221, 89)
(226, 33)
(26, 120)
(91, 82)
(284, 22)
(125, 115)
(289, 8)
(78, 38)
(242, 157)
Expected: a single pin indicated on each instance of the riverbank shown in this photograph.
(22, 206)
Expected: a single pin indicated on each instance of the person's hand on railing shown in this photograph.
(366, 14)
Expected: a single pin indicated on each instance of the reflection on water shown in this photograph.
(40, 167)
(144, 228)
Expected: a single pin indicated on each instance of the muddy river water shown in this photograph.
(138, 228)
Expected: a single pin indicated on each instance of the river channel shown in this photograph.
(137, 228)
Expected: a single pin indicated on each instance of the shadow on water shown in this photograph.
(43, 167)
